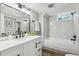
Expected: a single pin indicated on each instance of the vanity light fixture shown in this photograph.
(20, 5)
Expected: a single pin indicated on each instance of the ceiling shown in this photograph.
(59, 7)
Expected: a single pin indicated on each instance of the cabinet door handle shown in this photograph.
(35, 45)
(18, 54)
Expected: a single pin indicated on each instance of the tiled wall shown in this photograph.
(64, 29)
(61, 29)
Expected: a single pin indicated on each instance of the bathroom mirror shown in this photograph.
(35, 26)
(25, 24)
(9, 17)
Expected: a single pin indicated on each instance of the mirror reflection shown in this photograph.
(13, 21)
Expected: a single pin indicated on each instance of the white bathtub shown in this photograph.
(62, 44)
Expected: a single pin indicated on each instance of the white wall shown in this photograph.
(34, 16)
(44, 19)
(0, 17)
(61, 29)
(46, 26)
(65, 29)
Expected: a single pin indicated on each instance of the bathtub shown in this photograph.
(62, 44)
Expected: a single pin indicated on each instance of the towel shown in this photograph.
(37, 26)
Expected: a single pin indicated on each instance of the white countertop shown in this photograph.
(5, 44)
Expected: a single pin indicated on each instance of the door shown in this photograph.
(14, 51)
(29, 49)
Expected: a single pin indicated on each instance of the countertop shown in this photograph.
(5, 44)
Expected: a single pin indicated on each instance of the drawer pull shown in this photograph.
(35, 45)
(18, 54)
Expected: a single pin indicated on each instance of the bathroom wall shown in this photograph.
(44, 19)
(61, 29)
(65, 29)
(0, 17)
(34, 16)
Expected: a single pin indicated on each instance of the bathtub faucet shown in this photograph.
(74, 38)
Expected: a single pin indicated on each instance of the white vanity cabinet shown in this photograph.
(29, 49)
(33, 48)
(14, 51)
(38, 46)
(23, 47)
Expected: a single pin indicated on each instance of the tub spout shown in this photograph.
(74, 38)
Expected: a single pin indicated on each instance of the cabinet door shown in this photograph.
(15, 51)
(11, 53)
(38, 49)
(29, 49)
(33, 48)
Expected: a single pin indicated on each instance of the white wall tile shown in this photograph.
(61, 29)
